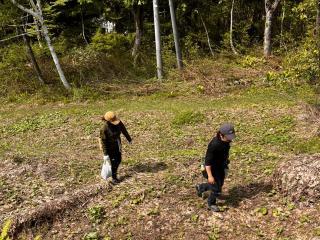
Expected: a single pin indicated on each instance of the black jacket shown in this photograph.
(110, 138)
(217, 157)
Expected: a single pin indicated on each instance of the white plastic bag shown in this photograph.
(106, 171)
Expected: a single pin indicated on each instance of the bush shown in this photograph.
(96, 213)
(190, 48)
(16, 73)
(301, 66)
(188, 117)
(91, 236)
(111, 42)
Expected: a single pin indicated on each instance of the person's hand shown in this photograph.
(226, 171)
(210, 180)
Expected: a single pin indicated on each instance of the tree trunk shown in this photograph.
(207, 33)
(36, 12)
(282, 21)
(175, 35)
(157, 38)
(270, 8)
(36, 23)
(55, 57)
(82, 26)
(231, 30)
(35, 65)
(38, 32)
(138, 22)
(267, 34)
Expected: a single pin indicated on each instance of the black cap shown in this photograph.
(227, 129)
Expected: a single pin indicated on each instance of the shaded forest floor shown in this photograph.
(50, 150)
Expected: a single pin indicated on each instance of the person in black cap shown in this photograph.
(216, 164)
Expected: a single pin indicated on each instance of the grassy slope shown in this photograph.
(48, 150)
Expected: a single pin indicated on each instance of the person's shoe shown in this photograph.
(115, 181)
(214, 208)
(199, 193)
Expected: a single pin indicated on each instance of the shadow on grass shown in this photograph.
(149, 167)
(145, 168)
(239, 193)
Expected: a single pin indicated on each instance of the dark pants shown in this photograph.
(115, 162)
(214, 188)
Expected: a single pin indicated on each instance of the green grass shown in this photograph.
(188, 117)
(33, 123)
(173, 129)
(311, 145)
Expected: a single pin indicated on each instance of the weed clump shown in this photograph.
(188, 117)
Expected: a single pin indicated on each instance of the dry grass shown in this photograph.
(50, 167)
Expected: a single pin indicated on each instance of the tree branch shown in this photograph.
(25, 9)
(266, 4)
(17, 36)
(33, 5)
(275, 5)
(271, 6)
(39, 9)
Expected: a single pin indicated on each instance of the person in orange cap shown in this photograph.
(111, 141)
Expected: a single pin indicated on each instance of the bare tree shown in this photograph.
(36, 12)
(175, 35)
(157, 38)
(270, 7)
(137, 11)
(35, 65)
(282, 21)
(231, 30)
(207, 33)
(82, 26)
(38, 32)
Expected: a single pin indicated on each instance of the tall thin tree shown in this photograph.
(270, 8)
(138, 11)
(283, 15)
(231, 30)
(36, 12)
(175, 35)
(34, 62)
(157, 38)
(207, 33)
(82, 26)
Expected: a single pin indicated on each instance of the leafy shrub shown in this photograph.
(96, 214)
(168, 53)
(241, 38)
(15, 71)
(110, 42)
(91, 236)
(250, 61)
(190, 48)
(188, 117)
(301, 66)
